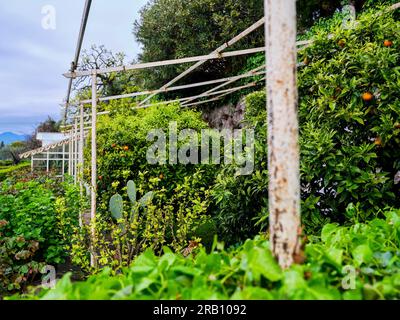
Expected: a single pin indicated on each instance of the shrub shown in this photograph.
(181, 191)
(8, 170)
(133, 227)
(123, 146)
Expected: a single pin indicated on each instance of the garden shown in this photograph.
(177, 231)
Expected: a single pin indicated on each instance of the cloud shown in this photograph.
(32, 60)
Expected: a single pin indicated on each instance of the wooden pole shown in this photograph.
(283, 148)
(94, 166)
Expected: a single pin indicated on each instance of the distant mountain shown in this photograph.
(10, 137)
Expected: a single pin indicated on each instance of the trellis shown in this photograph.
(283, 150)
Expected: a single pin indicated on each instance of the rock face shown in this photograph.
(227, 116)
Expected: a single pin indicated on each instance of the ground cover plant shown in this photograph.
(364, 256)
(30, 233)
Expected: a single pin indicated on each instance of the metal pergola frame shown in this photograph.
(283, 150)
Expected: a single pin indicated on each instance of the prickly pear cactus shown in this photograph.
(146, 199)
(116, 206)
(131, 191)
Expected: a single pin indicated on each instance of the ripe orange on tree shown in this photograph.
(367, 96)
(387, 43)
(378, 141)
(126, 148)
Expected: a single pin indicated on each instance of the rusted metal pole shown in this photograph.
(94, 166)
(283, 147)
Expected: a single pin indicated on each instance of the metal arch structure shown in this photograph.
(74, 64)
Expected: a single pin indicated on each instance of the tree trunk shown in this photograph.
(15, 157)
(283, 148)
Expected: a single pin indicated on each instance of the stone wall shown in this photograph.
(226, 116)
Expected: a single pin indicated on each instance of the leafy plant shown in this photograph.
(31, 231)
(250, 271)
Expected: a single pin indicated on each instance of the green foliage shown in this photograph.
(176, 219)
(123, 144)
(8, 170)
(29, 209)
(30, 230)
(239, 199)
(349, 147)
(170, 29)
(250, 271)
(17, 267)
(122, 141)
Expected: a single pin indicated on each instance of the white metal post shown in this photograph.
(81, 161)
(47, 162)
(94, 163)
(63, 162)
(76, 151)
(70, 153)
(283, 148)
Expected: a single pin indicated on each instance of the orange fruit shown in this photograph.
(378, 141)
(342, 43)
(113, 145)
(387, 43)
(161, 176)
(126, 148)
(367, 96)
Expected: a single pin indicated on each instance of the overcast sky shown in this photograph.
(33, 59)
